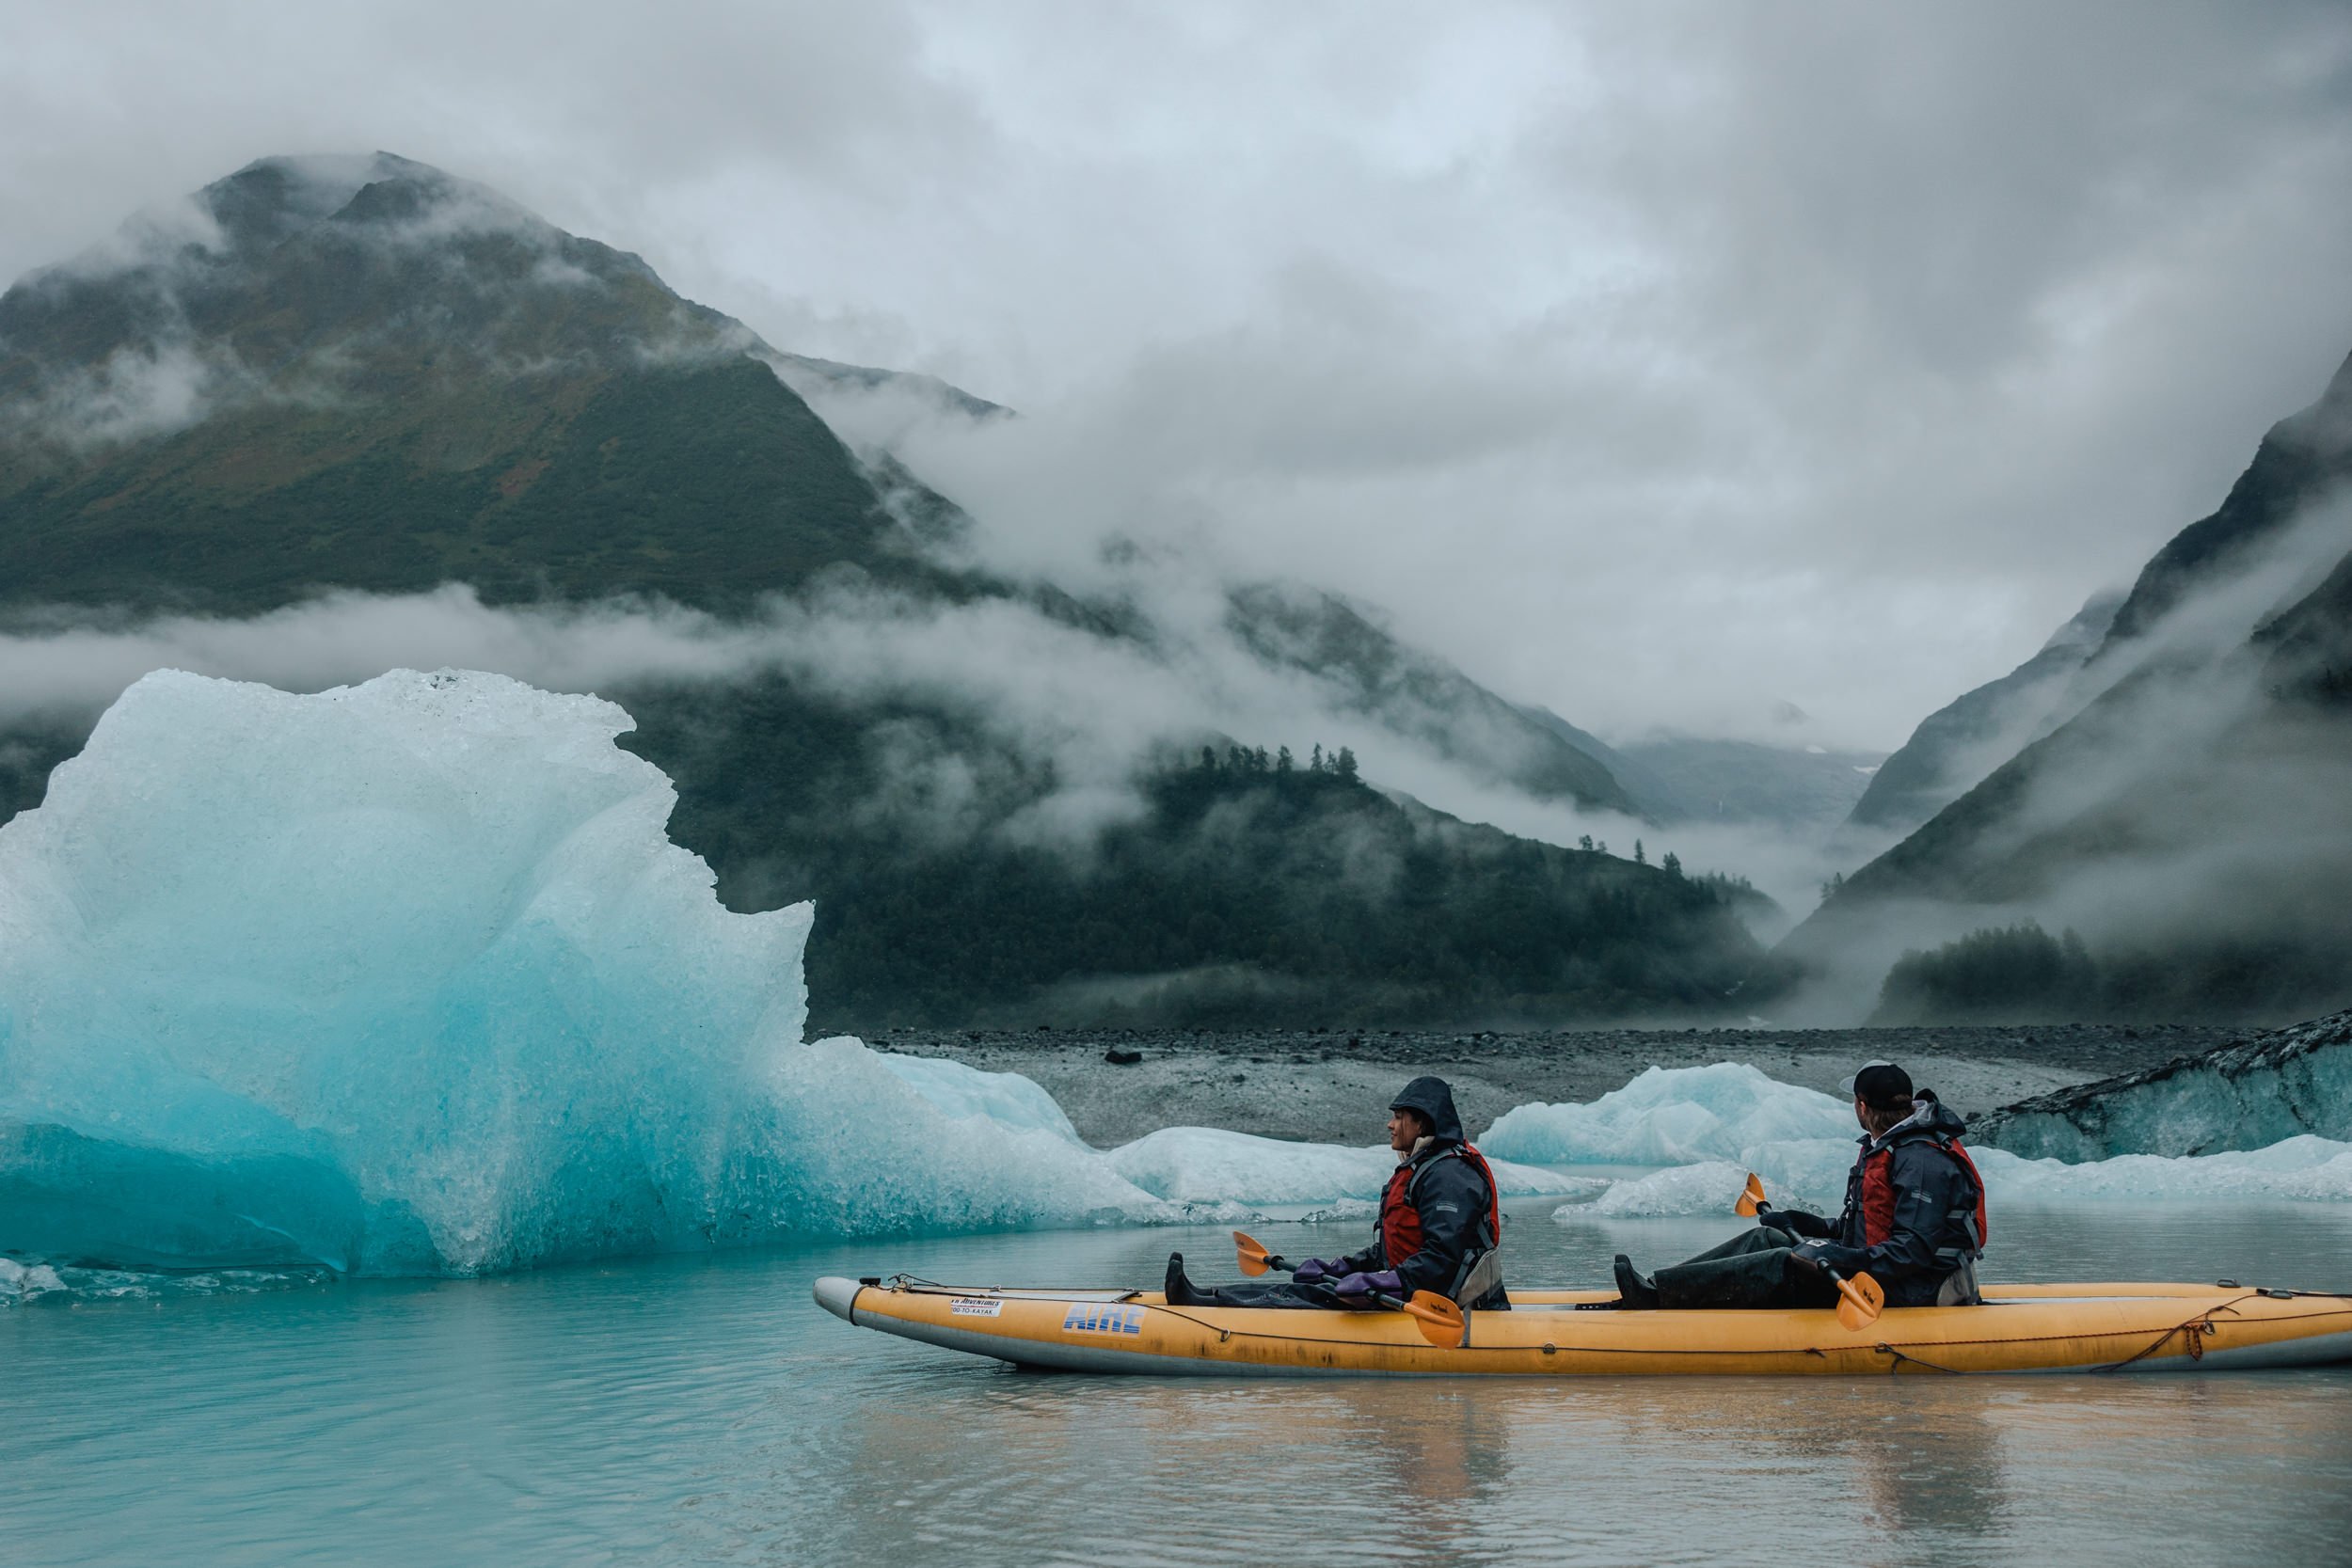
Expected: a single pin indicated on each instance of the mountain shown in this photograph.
(366, 373)
(362, 373)
(1956, 745)
(1803, 792)
(2189, 808)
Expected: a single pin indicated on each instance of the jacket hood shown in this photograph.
(1929, 1117)
(1434, 1098)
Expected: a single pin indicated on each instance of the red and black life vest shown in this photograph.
(1878, 1191)
(1400, 1221)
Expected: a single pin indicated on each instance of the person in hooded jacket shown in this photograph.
(1914, 1220)
(1439, 1225)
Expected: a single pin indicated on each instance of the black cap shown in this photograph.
(1878, 1085)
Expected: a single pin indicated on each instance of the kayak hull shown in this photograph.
(2030, 1328)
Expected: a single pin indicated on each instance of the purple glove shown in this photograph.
(1314, 1271)
(1385, 1282)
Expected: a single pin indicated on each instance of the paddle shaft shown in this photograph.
(1864, 1306)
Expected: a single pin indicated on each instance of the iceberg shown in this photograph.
(1812, 1174)
(1209, 1165)
(1670, 1117)
(2248, 1095)
(1711, 1126)
(406, 977)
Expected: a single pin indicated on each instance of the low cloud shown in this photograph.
(1063, 702)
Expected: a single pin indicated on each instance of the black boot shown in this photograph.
(1633, 1293)
(1179, 1289)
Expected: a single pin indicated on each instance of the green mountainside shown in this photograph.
(363, 374)
(416, 384)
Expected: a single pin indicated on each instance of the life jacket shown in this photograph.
(1963, 1233)
(1400, 1220)
(1878, 1193)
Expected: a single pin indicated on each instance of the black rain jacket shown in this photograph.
(1451, 1198)
(1934, 1197)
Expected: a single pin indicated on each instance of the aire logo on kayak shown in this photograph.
(1089, 1318)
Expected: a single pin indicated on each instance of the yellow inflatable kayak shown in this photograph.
(2019, 1328)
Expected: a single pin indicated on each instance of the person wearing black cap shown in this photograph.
(1914, 1220)
(1440, 1227)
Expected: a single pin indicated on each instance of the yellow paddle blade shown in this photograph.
(1750, 1201)
(1860, 1300)
(1440, 1318)
(1252, 1257)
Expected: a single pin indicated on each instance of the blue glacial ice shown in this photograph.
(2249, 1095)
(1670, 1116)
(1209, 1165)
(407, 978)
(1709, 1126)
(1813, 1175)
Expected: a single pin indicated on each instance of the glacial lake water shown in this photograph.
(703, 1410)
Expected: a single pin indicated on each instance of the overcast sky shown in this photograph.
(1659, 363)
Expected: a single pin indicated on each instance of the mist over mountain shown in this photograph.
(1956, 745)
(334, 414)
(2179, 795)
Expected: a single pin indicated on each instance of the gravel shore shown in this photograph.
(1333, 1085)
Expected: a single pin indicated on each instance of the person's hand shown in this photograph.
(1385, 1282)
(1314, 1271)
(1845, 1259)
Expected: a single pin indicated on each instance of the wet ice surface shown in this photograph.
(703, 1410)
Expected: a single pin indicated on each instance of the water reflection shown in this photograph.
(703, 1410)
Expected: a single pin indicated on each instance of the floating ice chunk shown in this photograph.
(1812, 1174)
(407, 978)
(957, 1091)
(22, 1283)
(1803, 1174)
(1207, 1164)
(2306, 1168)
(1670, 1116)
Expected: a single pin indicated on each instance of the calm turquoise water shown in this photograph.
(704, 1410)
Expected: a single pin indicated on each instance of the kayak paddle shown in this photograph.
(1255, 1259)
(1860, 1299)
(1438, 1318)
(1751, 1199)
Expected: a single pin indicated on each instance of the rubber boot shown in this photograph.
(1179, 1289)
(1634, 1293)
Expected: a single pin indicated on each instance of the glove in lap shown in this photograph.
(1385, 1282)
